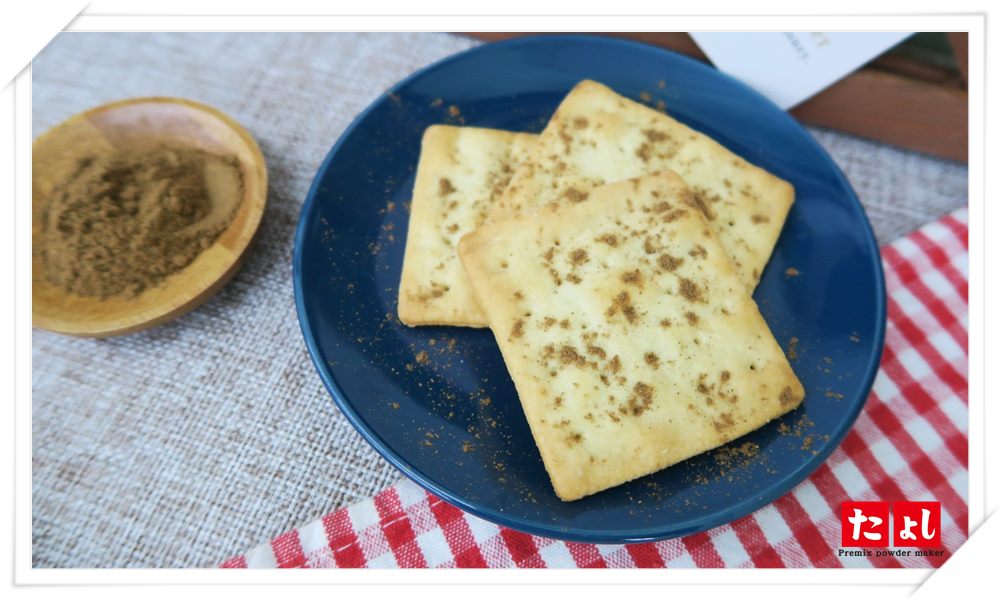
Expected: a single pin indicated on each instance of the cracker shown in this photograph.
(630, 337)
(462, 170)
(597, 137)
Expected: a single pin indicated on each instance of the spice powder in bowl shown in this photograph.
(124, 220)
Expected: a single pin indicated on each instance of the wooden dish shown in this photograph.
(178, 123)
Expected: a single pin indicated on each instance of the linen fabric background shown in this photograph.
(184, 445)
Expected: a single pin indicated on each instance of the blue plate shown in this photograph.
(452, 422)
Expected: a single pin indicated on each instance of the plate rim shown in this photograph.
(605, 536)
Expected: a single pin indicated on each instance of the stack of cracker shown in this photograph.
(613, 256)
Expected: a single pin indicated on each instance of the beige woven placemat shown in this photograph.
(187, 444)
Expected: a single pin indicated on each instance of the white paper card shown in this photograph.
(789, 67)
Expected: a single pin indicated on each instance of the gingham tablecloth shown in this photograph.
(909, 443)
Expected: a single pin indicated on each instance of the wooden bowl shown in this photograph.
(178, 123)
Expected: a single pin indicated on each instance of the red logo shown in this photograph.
(864, 524)
(916, 524)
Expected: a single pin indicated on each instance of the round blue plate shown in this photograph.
(437, 402)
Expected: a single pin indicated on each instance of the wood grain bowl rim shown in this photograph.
(256, 201)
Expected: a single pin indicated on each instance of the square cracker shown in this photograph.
(462, 170)
(597, 137)
(629, 335)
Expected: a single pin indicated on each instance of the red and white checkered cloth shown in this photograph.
(910, 443)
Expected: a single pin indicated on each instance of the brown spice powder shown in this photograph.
(124, 221)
